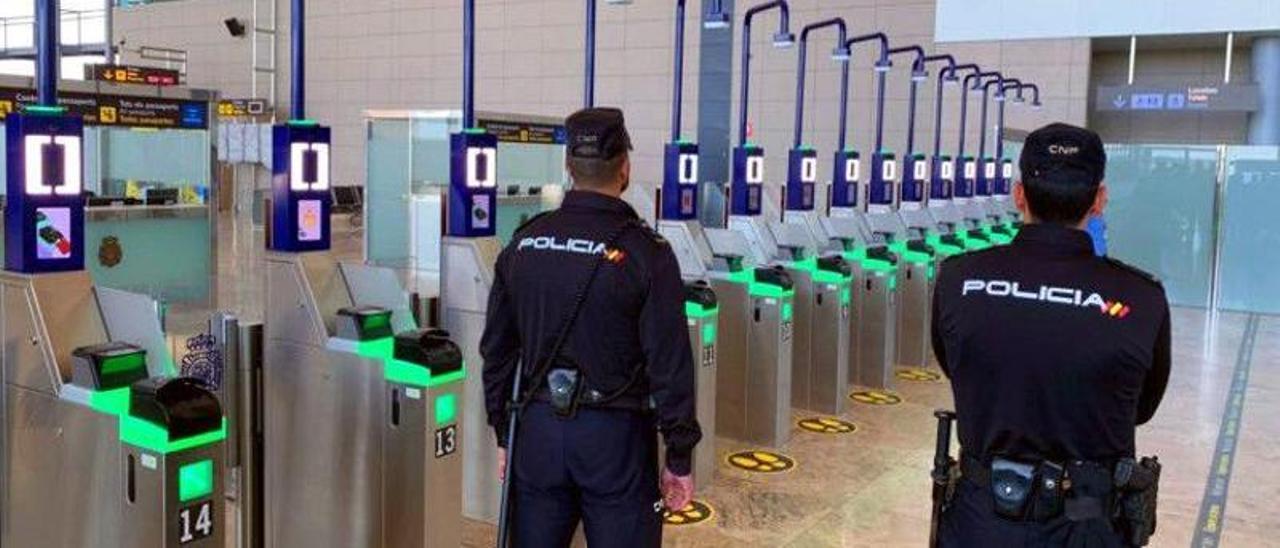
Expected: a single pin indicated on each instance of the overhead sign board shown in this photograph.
(117, 110)
(1198, 98)
(525, 132)
(127, 74)
(241, 108)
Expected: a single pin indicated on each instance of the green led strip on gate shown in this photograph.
(708, 333)
(403, 372)
(759, 289)
(143, 433)
(846, 295)
(148, 435)
(787, 311)
(303, 123)
(44, 110)
(694, 310)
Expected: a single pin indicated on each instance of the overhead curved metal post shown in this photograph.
(986, 94)
(945, 75)
(782, 38)
(468, 63)
(841, 53)
(677, 86)
(298, 66)
(1011, 83)
(917, 72)
(964, 103)
(47, 52)
(841, 134)
(589, 68)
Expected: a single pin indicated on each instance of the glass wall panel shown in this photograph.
(1250, 256)
(387, 190)
(1161, 215)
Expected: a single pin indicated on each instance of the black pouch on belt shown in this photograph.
(1012, 486)
(1049, 492)
(565, 387)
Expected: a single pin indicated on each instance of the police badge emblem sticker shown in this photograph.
(203, 360)
(110, 253)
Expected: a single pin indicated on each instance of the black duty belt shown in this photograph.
(1056, 495)
(595, 399)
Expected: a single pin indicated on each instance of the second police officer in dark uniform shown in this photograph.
(602, 379)
(1054, 356)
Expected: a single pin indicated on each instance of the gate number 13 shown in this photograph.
(446, 441)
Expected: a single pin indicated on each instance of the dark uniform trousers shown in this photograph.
(971, 522)
(602, 461)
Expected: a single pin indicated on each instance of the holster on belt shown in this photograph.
(1137, 485)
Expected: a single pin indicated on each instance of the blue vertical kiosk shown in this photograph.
(360, 441)
(469, 251)
(99, 447)
(823, 277)
(754, 388)
(678, 216)
(941, 204)
(874, 292)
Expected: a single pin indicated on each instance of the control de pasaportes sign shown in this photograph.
(118, 110)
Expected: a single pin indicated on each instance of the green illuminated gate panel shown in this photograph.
(446, 409)
(195, 480)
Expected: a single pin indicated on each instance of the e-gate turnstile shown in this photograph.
(702, 313)
(361, 439)
(98, 448)
(466, 267)
(824, 310)
(875, 299)
(820, 352)
(752, 397)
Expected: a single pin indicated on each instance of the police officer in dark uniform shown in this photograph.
(1055, 355)
(586, 445)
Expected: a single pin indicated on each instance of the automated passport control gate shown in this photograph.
(91, 431)
(345, 415)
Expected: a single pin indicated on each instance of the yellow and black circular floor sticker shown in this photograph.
(876, 397)
(827, 425)
(917, 374)
(761, 461)
(695, 512)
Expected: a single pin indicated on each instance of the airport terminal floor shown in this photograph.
(870, 487)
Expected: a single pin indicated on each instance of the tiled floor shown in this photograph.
(871, 487)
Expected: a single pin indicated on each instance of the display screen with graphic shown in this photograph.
(309, 227)
(53, 233)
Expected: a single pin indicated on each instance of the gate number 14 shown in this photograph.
(201, 527)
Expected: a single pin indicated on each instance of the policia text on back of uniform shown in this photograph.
(1055, 355)
(588, 303)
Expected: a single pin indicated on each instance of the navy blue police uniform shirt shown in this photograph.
(1053, 353)
(631, 330)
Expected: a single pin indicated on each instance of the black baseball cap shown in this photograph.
(597, 133)
(1065, 154)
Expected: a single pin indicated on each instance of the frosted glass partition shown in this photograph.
(407, 175)
(1161, 214)
(1250, 247)
(387, 188)
(148, 158)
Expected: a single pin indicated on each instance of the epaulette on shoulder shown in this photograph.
(653, 234)
(1147, 276)
(529, 222)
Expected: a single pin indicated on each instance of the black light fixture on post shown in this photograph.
(235, 27)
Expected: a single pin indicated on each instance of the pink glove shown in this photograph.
(677, 491)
